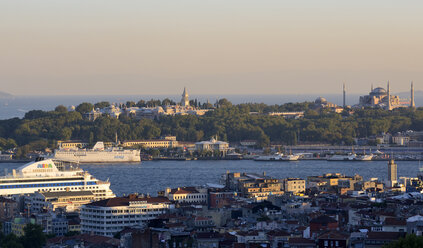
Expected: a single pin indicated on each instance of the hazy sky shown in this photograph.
(211, 47)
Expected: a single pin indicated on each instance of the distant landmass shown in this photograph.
(16, 106)
(4, 95)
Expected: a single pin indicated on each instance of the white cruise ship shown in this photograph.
(98, 154)
(50, 175)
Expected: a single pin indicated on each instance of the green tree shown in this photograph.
(84, 107)
(101, 105)
(410, 241)
(11, 241)
(34, 236)
(61, 109)
(130, 104)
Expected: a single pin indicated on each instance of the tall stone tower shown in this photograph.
(185, 100)
(343, 99)
(392, 172)
(389, 97)
(412, 103)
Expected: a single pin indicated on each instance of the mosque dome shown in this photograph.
(379, 91)
(320, 100)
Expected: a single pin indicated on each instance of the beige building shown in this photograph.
(293, 185)
(332, 180)
(151, 144)
(71, 144)
(70, 201)
(190, 195)
(254, 186)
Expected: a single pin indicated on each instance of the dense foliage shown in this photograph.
(410, 241)
(33, 238)
(40, 129)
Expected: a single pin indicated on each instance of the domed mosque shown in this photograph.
(381, 98)
(321, 102)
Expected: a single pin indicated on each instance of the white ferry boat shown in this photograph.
(349, 157)
(50, 175)
(99, 154)
(277, 157)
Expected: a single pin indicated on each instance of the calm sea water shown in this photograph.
(153, 176)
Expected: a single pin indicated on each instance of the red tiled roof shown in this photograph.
(300, 241)
(323, 219)
(278, 233)
(184, 190)
(208, 235)
(335, 235)
(201, 218)
(395, 222)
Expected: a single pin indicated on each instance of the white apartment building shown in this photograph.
(107, 217)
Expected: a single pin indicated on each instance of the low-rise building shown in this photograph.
(151, 144)
(71, 144)
(190, 195)
(18, 225)
(8, 208)
(107, 217)
(70, 201)
(293, 185)
(213, 146)
(252, 185)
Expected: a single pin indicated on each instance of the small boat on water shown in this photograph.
(364, 157)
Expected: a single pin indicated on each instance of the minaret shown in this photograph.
(392, 173)
(185, 100)
(343, 103)
(389, 98)
(371, 89)
(412, 103)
